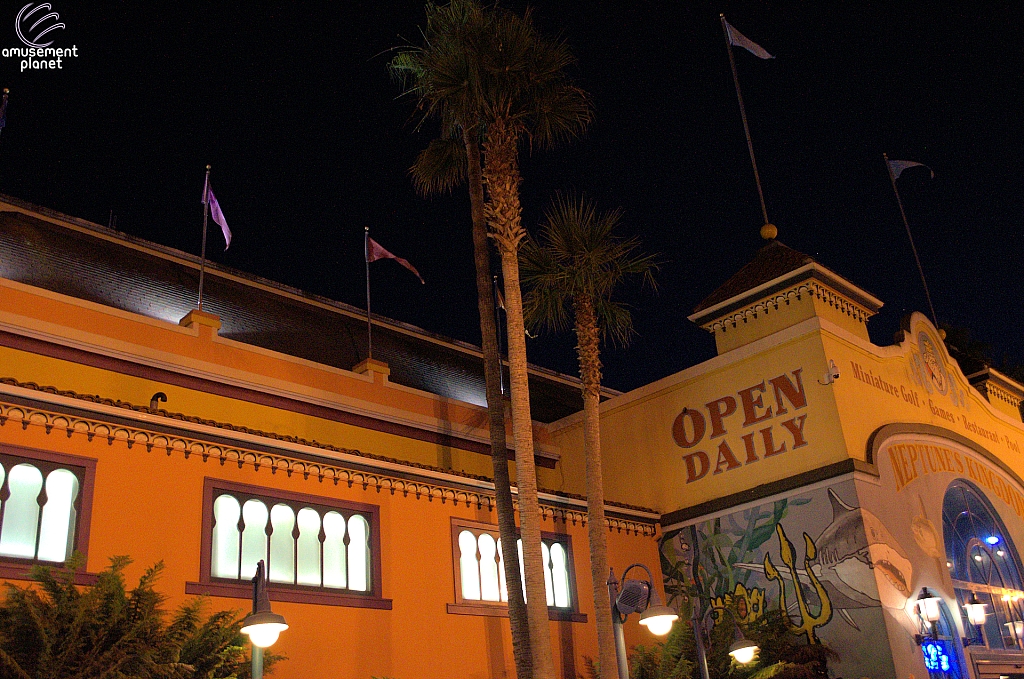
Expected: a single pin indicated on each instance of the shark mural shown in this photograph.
(848, 553)
(817, 555)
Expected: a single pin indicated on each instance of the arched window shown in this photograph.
(481, 567)
(303, 540)
(40, 506)
(983, 562)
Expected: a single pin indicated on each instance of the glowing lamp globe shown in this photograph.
(658, 620)
(263, 628)
(928, 605)
(975, 610)
(744, 651)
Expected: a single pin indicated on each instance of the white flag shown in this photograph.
(737, 39)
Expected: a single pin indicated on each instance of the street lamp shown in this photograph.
(742, 649)
(262, 626)
(636, 596)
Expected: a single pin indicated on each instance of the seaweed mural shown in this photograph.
(737, 557)
(723, 542)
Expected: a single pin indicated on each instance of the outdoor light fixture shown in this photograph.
(928, 606)
(636, 596)
(992, 539)
(743, 651)
(975, 610)
(262, 626)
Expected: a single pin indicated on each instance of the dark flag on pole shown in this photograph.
(374, 251)
(737, 39)
(898, 166)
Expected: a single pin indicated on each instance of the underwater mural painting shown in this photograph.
(830, 564)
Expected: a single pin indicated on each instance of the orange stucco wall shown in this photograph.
(148, 503)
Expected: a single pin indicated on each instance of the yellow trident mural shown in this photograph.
(808, 621)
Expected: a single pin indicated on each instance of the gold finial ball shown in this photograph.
(769, 232)
(942, 334)
(207, 168)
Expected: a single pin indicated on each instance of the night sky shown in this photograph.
(292, 105)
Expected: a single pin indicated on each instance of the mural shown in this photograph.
(833, 582)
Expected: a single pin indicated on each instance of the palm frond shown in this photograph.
(440, 167)
(576, 256)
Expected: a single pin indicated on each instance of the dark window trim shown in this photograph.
(500, 609)
(242, 589)
(17, 568)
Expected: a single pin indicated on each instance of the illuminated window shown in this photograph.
(480, 569)
(983, 561)
(41, 502)
(316, 549)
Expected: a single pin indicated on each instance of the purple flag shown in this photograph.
(216, 213)
(898, 166)
(737, 39)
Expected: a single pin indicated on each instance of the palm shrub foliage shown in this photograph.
(54, 629)
(783, 655)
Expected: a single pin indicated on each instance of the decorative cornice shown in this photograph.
(765, 305)
(420, 481)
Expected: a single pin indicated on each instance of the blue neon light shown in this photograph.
(992, 539)
(936, 655)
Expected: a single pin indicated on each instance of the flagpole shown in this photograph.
(743, 115)
(4, 123)
(906, 225)
(369, 323)
(206, 212)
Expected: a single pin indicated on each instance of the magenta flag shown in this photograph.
(217, 213)
(374, 251)
(898, 166)
(737, 39)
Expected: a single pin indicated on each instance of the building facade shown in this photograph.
(804, 466)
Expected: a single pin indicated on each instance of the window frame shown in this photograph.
(464, 606)
(279, 591)
(84, 468)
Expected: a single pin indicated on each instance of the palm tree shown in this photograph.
(487, 74)
(571, 274)
(530, 99)
(446, 76)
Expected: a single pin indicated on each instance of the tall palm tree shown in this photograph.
(571, 274)
(530, 101)
(445, 75)
(490, 76)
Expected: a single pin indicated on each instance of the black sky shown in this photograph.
(292, 105)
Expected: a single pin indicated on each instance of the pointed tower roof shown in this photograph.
(773, 260)
(778, 288)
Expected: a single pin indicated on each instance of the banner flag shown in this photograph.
(737, 39)
(217, 213)
(898, 166)
(374, 251)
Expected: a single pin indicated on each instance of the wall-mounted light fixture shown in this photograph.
(975, 610)
(929, 612)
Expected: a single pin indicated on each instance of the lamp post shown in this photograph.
(742, 649)
(262, 626)
(636, 596)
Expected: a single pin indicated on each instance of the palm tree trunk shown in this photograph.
(589, 351)
(504, 217)
(496, 414)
